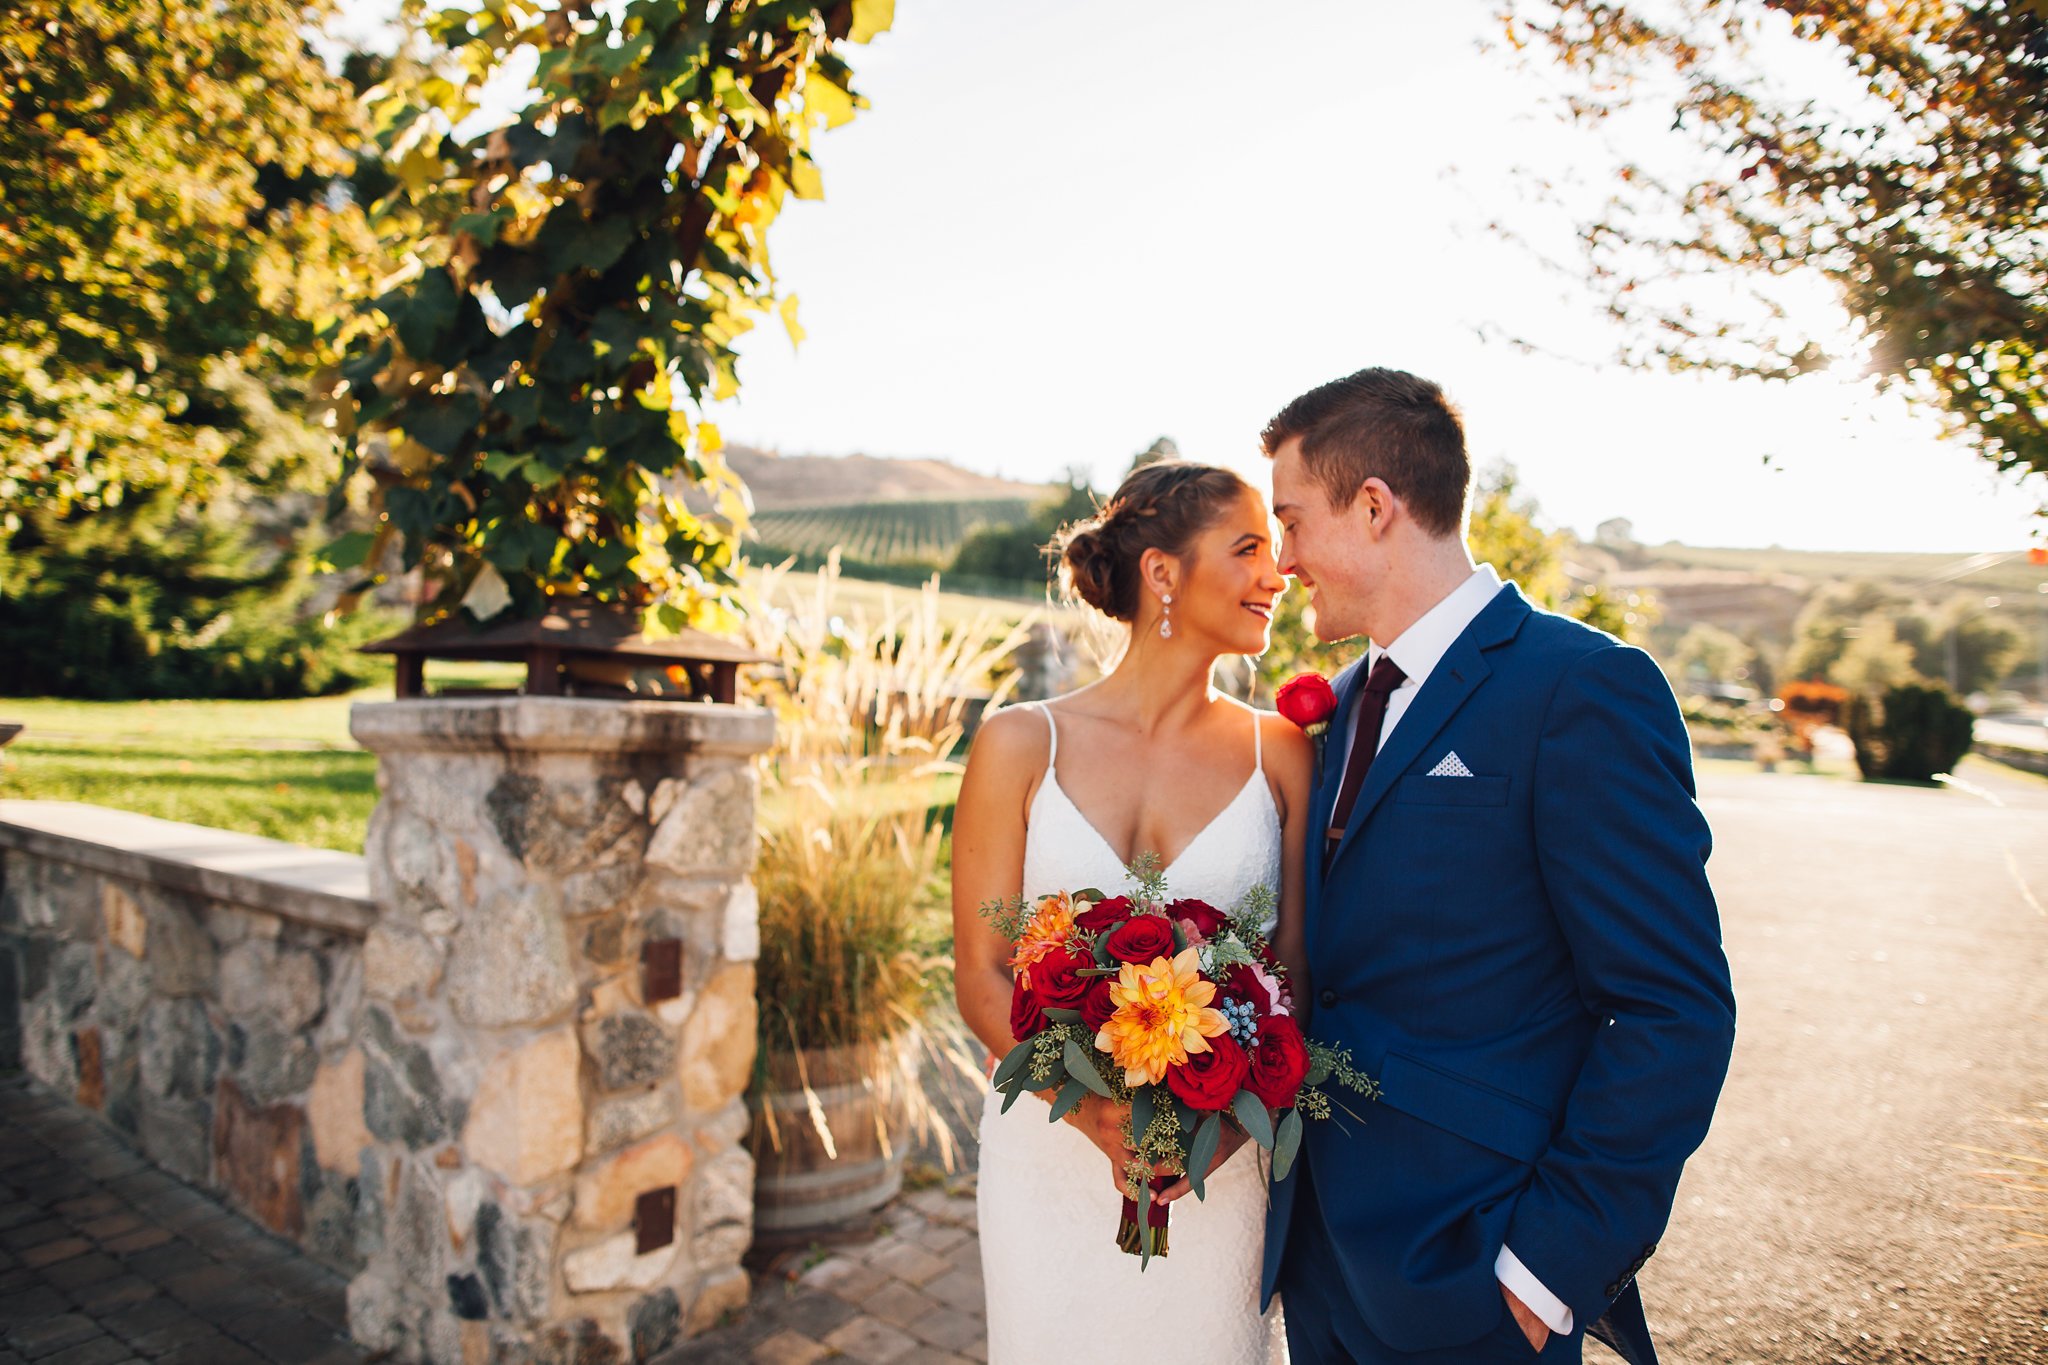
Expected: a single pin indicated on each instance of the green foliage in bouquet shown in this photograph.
(1916, 731)
(522, 394)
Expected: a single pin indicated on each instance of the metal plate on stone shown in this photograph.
(654, 1220)
(661, 961)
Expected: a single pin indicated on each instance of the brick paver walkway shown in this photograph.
(104, 1258)
(910, 1296)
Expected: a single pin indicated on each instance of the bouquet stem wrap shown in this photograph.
(1149, 1239)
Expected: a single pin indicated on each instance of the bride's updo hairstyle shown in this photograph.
(1161, 506)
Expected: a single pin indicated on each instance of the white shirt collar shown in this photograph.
(1417, 649)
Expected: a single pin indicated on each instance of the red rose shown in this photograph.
(1096, 1009)
(1027, 1016)
(1103, 915)
(1207, 1080)
(1306, 699)
(1141, 939)
(1056, 979)
(1278, 1063)
(1206, 918)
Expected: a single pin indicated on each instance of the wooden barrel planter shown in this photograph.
(822, 1163)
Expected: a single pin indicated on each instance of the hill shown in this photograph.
(783, 482)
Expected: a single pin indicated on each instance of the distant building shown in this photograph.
(1618, 533)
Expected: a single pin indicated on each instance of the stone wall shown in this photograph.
(200, 990)
(557, 1027)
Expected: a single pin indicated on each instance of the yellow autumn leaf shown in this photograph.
(827, 100)
(787, 310)
(804, 180)
(871, 17)
(708, 436)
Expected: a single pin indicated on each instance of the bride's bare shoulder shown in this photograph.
(1012, 740)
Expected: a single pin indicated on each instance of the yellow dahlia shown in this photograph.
(1051, 925)
(1162, 1014)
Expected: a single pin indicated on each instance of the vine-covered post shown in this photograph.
(558, 1016)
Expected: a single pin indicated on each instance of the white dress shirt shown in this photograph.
(1417, 651)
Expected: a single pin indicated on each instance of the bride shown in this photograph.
(1060, 797)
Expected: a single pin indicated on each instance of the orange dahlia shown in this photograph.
(1051, 925)
(1162, 1014)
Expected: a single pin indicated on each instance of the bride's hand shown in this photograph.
(1102, 1122)
(1232, 1138)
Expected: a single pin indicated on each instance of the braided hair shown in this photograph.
(1161, 506)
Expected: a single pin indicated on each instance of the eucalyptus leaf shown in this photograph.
(1143, 1106)
(1067, 1100)
(1062, 1016)
(1082, 1069)
(1013, 1063)
(1202, 1151)
(1251, 1112)
(1287, 1143)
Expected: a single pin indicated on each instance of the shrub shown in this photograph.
(1914, 732)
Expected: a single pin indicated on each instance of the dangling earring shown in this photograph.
(1166, 616)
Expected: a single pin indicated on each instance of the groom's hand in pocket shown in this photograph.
(1532, 1326)
(1232, 1139)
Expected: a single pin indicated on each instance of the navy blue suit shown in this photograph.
(1529, 961)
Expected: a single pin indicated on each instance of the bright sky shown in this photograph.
(1065, 229)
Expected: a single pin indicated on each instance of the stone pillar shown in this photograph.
(558, 1023)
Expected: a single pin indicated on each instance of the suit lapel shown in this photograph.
(1450, 684)
(1349, 684)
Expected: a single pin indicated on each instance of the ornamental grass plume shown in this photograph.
(870, 714)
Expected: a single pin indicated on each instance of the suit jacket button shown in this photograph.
(1328, 997)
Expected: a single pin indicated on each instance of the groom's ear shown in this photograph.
(1376, 507)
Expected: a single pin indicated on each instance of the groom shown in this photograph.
(1508, 924)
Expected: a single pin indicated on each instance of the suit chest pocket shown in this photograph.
(1451, 791)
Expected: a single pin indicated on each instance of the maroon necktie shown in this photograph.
(1386, 675)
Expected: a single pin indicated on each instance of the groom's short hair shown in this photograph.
(1385, 424)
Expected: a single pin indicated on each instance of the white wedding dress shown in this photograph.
(1059, 1288)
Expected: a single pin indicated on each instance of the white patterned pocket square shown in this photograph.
(1452, 766)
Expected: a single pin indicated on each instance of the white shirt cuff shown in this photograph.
(1516, 1279)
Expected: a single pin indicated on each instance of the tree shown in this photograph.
(1018, 553)
(1165, 448)
(523, 400)
(175, 231)
(1968, 646)
(1875, 659)
(1904, 172)
(1709, 654)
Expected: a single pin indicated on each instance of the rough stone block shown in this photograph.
(612, 1264)
(718, 1041)
(510, 961)
(334, 1110)
(175, 1134)
(605, 1194)
(653, 1324)
(402, 1094)
(515, 1257)
(126, 927)
(260, 980)
(722, 1292)
(180, 1054)
(182, 958)
(630, 1049)
(724, 1216)
(398, 961)
(709, 827)
(629, 1118)
(275, 1064)
(256, 1157)
(741, 936)
(526, 1121)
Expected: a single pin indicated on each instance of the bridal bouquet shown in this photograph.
(1173, 1007)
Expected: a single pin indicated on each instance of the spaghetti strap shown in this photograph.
(1052, 754)
(1258, 744)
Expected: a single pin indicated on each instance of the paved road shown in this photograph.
(1890, 950)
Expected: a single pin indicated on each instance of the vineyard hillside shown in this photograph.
(786, 482)
(892, 532)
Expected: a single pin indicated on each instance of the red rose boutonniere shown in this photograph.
(1308, 701)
